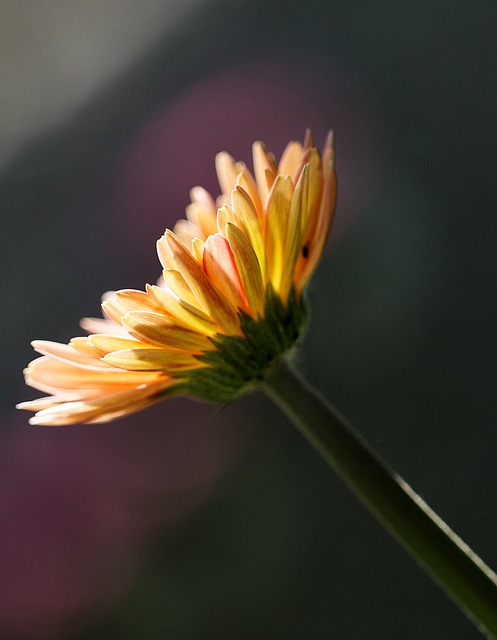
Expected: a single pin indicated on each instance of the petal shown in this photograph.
(175, 281)
(204, 221)
(67, 353)
(210, 298)
(290, 161)
(293, 244)
(224, 215)
(182, 312)
(198, 249)
(165, 255)
(203, 197)
(41, 403)
(247, 183)
(264, 169)
(219, 265)
(82, 345)
(226, 171)
(247, 220)
(317, 240)
(48, 372)
(312, 159)
(187, 231)
(249, 269)
(128, 300)
(104, 343)
(152, 360)
(101, 325)
(104, 408)
(156, 329)
(278, 209)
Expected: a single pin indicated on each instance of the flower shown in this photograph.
(230, 301)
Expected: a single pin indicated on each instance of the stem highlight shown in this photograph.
(429, 540)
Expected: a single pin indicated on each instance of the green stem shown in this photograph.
(459, 571)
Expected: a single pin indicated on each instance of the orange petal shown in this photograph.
(104, 408)
(67, 353)
(203, 220)
(203, 197)
(290, 161)
(48, 372)
(226, 171)
(165, 255)
(187, 231)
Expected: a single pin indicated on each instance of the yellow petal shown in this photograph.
(212, 301)
(128, 300)
(278, 209)
(152, 360)
(224, 215)
(248, 267)
(245, 180)
(82, 345)
(104, 343)
(175, 281)
(311, 211)
(182, 312)
(293, 244)
(317, 240)
(198, 249)
(156, 329)
(247, 220)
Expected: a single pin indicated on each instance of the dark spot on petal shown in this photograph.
(305, 251)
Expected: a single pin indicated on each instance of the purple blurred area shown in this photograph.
(80, 505)
(274, 98)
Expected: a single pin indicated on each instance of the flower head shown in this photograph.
(229, 303)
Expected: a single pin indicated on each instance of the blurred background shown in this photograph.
(188, 523)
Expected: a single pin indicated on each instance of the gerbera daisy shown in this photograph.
(229, 303)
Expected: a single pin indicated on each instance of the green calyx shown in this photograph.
(239, 362)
